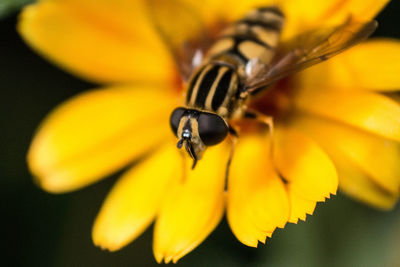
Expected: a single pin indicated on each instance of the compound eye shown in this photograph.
(175, 119)
(212, 128)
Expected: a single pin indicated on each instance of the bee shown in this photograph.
(246, 58)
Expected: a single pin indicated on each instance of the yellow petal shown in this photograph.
(187, 24)
(303, 15)
(394, 96)
(374, 157)
(308, 170)
(211, 11)
(135, 199)
(360, 186)
(193, 207)
(373, 65)
(178, 31)
(299, 206)
(366, 110)
(237, 9)
(257, 199)
(300, 14)
(104, 41)
(98, 132)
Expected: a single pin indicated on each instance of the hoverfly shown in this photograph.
(245, 58)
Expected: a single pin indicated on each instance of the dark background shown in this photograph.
(40, 229)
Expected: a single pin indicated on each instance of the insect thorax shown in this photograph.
(215, 86)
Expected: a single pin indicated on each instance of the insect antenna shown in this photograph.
(190, 150)
(180, 143)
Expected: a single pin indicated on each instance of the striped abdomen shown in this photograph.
(253, 37)
(214, 86)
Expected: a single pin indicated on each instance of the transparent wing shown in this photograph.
(307, 50)
(183, 30)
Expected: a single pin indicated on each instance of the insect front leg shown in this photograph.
(234, 138)
(263, 119)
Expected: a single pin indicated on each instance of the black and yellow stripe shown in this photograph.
(214, 87)
(254, 36)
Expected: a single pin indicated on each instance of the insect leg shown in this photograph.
(234, 138)
(264, 119)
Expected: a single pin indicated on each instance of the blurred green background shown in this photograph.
(40, 229)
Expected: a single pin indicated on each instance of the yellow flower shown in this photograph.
(333, 121)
